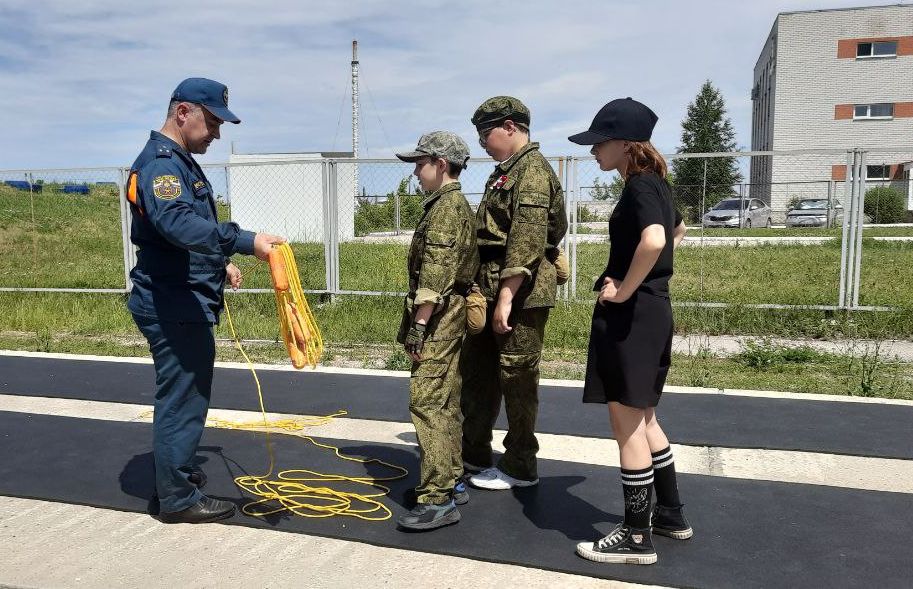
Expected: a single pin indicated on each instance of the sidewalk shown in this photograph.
(727, 345)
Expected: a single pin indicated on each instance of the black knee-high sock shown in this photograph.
(664, 480)
(638, 489)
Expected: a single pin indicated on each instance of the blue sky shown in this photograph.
(81, 83)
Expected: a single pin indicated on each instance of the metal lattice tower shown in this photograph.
(355, 109)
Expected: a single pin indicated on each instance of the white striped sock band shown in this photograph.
(637, 478)
(663, 459)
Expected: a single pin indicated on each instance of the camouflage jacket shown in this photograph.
(520, 222)
(443, 259)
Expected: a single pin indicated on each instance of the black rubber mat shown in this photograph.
(747, 533)
(862, 429)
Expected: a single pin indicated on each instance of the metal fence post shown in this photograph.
(334, 220)
(228, 189)
(563, 290)
(397, 225)
(328, 252)
(848, 204)
(703, 210)
(860, 206)
(741, 206)
(125, 218)
(573, 169)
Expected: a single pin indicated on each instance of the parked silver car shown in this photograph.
(814, 212)
(735, 212)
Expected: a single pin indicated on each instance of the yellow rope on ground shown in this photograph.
(304, 492)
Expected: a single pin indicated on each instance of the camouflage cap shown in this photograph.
(498, 109)
(443, 144)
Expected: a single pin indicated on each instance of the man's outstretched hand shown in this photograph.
(264, 242)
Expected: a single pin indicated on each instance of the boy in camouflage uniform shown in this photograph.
(520, 222)
(443, 259)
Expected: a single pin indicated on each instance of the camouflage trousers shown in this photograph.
(496, 366)
(434, 402)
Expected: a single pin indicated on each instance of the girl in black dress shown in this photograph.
(631, 334)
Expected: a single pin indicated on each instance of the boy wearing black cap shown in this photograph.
(443, 260)
(520, 222)
(631, 332)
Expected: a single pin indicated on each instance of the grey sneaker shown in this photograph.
(671, 522)
(460, 493)
(495, 479)
(425, 516)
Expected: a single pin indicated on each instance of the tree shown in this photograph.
(706, 129)
(370, 217)
(603, 191)
(884, 204)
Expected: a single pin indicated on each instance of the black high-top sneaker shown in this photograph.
(624, 545)
(671, 522)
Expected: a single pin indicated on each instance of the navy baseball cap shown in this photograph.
(207, 93)
(624, 118)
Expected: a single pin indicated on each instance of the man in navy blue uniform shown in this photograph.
(178, 283)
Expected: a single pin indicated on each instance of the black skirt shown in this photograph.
(630, 351)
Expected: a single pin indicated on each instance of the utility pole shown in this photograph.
(355, 110)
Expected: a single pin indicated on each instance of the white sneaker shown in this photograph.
(494, 479)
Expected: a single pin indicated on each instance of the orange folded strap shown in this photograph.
(299, 329)
(277, 270)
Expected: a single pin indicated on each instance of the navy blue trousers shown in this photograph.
(183, 354)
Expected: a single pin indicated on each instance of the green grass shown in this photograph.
(777, 274)
(75, 242)
(360, 330)
(798, 275)
(801, 232)
(695, 232)
(375, 319)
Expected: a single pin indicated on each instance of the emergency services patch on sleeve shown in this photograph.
(166, 187)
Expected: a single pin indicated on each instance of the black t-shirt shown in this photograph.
(646, 200)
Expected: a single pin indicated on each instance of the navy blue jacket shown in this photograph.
(183, 249)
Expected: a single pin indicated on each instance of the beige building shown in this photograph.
(833, 79)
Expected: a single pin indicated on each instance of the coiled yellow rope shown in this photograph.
(304, 492)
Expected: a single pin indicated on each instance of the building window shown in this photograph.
(876, 49)
(874, 111)
(876, 172)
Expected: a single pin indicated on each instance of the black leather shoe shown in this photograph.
(205, 510)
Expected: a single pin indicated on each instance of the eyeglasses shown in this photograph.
(484, 133)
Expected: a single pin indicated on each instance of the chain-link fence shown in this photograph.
(768, 228)
(63, 229)
(764, 228)
(886, 254)
(284, 195)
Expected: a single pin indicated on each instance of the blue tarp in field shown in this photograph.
(23, 185)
